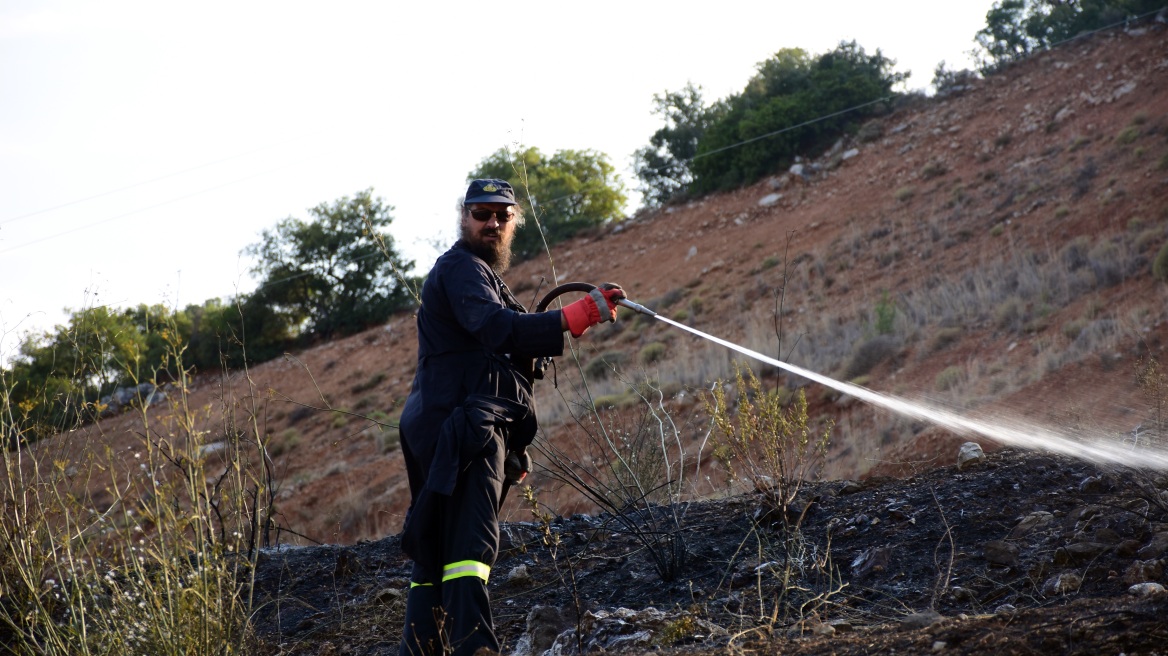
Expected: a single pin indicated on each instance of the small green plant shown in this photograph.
(945, 337)
(997, 230)
(1127, 136)
(885, 312)
(904, 194)
(770, 443)
(651, 353)
(696, 305)
(1003, 139)
(934, 169)
(1160, 264)
(1073, 328)
(949, 378)
(373, 381)
(770, 262)
(601, 367)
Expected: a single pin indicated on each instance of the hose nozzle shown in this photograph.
(636, 307)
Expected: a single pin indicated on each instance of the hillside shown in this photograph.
(989, 251)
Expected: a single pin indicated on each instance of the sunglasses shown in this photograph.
(502, 216)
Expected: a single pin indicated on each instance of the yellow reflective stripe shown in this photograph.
(465, 568)
(414, 584)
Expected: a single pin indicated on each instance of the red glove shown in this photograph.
(585, 313)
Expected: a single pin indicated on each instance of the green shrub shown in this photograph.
(1010, 313)
(1127, 135)
(949, 378)
(945, 337)
(904, 194)
(885, 315)
(1160, 265)
(1073, 328)
(601, 366)
(997, 230)
(933, 169)
(651, 353)
(696, 305)
(869, 354)
(769, 263)
(627, 399)
(373, 381)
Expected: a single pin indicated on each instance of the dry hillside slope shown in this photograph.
(990, 249)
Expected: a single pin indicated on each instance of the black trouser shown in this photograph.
(448, 606)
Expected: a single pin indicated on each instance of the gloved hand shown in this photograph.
(586, 312)
(515, 466)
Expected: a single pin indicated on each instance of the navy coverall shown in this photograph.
(470, 400)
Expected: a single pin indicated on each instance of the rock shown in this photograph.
(874, 559)
(848, 154)
(1029, 523)
(693, 251)
(1143, 571)
(939, 645)
(1093, 485)
(544, 625)
(779, 183)
(1080, 552)
(769, 199)
(921, 620)
(970, 453)
(851, 487)
(1000, 552)
(1155, 548)
(519, 575)
(1147, 590)
(1005, 610)
(1062, 584)
(629, 630)
(388, 595)
(797, 169)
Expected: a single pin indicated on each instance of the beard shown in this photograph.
(496, 254)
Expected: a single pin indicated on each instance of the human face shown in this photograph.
(490, 239)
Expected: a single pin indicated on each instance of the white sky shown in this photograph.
(144, 144)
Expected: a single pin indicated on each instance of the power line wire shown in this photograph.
(146, 182)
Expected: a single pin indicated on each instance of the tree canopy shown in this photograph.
(1015, 28)
(572, 190)
(331, 274)
(794, 104)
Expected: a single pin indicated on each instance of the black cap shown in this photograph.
(490, 191)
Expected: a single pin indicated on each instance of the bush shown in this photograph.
(1160, 265)
(601, 366)
(871, 353)
(651, 353)
(949, 378)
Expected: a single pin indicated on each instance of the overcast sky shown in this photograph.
(144, 144)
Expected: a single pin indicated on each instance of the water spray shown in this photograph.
(1020, 433)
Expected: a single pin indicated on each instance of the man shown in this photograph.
(471, 403)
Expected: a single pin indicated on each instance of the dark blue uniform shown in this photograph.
(470, 400)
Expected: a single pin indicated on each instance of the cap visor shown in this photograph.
(490, 198)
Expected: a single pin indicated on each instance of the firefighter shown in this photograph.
(469, 411)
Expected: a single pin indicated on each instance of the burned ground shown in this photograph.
(1019, 553)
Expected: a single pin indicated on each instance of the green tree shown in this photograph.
(572, 190)
(1015, 28)
(663, 167)
(328, 276)
(794, 104)
(55, 375)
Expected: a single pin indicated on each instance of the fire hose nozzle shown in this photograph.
(636, 307)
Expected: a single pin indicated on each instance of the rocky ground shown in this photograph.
(1015, 553)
